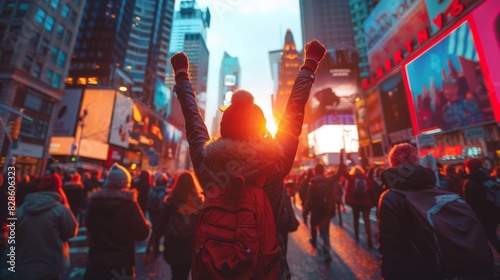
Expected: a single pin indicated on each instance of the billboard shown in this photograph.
(172, 136)
(230, 80)
(487, 17)
(147, 129)
(398, 125)
(162, 100)
(67, 113)
(390, 25)
(361, 115)
(335, 85)
(122, 121)
(451, 93)
(332, 138)
(444, 11)
(374, 115)
(97, 104)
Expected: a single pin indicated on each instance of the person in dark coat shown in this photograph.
(474, 191)
(245, 145)
(142, 185)
(114, 222)
(182, 204)
(155, 206)
(74, 192)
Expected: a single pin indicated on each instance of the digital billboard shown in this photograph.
(122, 121)
(67, 113)
(162, 98)
(147, 129)
(97, 106)
(172, 136)
(374, 115)
(397, 119)
(451, 92)
(332, 138)
(444, 11)
(361, 114)
(335, 85)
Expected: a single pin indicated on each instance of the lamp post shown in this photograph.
(81, 123)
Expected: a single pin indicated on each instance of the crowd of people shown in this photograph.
(230, 218)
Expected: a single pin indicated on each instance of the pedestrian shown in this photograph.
(44, 225)
(114, 222)
(321, 204)
(178, 224)
(246, 147)
(142, 185)
(360, 196)
(475, 187)
(304, 185)
(73, 188)
(410, 246)
(155, 206)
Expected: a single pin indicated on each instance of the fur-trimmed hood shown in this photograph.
(130, 195)
(245, 157)
(110, 203)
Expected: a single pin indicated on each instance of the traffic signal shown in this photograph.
(15, 127)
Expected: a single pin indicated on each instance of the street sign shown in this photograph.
(153, 160)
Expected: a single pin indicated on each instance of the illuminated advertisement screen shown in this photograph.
(487, 17)
(374, 115)
(147, 129)
(122, 121)
(162, 98)
(335, 85)
(397, 119)
(361, 114)
(98, 104)
(332, 138)
(67, 113)
(172, 136)
(444, 11)
(451, 92)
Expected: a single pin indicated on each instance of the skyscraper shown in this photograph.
(290, 62)
(229, 80)
(360, 9)
(101, 43)
(147, 52)
(189, 34)
(37, 39)
(328, 21)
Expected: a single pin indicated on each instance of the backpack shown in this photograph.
(236, 234)
(155, 201)
(180, 227)
(359, 192)
(492, 189)
(449, 231)
(324, 198)
(304, 184)
(290, 223)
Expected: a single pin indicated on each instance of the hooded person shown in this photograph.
(44, 225)
(114, 222)
(245, 146)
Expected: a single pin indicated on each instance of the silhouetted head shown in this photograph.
(319, 169)
(403, 154)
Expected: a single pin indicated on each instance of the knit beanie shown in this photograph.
(118, 177)
(473, 164)
(50, 183)
(243, 120)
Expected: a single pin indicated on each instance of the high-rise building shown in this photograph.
(189, 34)
(360, 9)
(101, 44)
(328, 21)
(37, 40)
(289, 63)
(229, 80)
(147, 52)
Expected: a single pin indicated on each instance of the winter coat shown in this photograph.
(351, 200)
(475, 195)
(74, 194)
(142, 185)
(215, 162)
(178, 251)
(43, 227)
(114, 222)
(399, 259)
(315, 196)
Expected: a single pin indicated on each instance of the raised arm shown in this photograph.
(196, 131)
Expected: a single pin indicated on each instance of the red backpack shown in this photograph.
(236, 234)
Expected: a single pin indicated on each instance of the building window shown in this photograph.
(62, 59)
(72, 17)
(44, 47)
(54, 4)
(67, 38)
(48, 75)
(37, 102)
(22, 9)
(36, 129)
(7, 10)
(56, 81)
(49, 24)
(59, 32)
(53, 54)
(65, 11)
(36, 69)
(40, 15)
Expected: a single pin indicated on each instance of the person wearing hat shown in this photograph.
(245, 145)
(44, 225)
(474, 190)
(114, 222)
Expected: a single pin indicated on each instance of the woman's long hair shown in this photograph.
(186, 183)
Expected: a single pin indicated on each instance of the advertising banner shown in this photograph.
(390, 25)
(443, 12)
(67, 113)
(97, 104)
(162, 98)
(397, 119)
(450, 94)
(374, 115)
(122, 121)
(173, 136)
(362, 122)
(335, 85)
(147, 129)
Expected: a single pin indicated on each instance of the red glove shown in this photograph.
(314, 53)
(180, 65)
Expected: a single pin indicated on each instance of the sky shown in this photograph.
(248, 30)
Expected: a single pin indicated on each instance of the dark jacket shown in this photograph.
(314, 197)
(114, 222)
(142, 185)
(179, 251)
(399, 258)
(44, 225)
(351, 200)
(475, 194)
(214, 163)
(74, 193)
